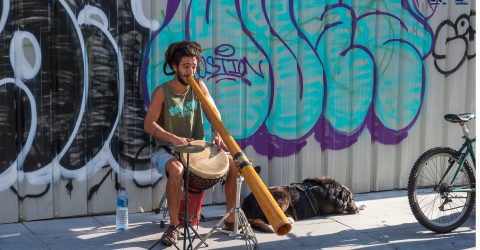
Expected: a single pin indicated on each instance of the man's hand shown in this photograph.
(177, 141)
(217, 140)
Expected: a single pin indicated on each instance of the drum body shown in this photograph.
(194, 206)
(207, 167)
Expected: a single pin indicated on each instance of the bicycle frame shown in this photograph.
(466, 149)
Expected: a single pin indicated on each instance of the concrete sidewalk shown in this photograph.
(385, 223)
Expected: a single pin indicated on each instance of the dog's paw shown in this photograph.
(290, 219)
(361, 206)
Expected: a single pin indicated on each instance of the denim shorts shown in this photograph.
(160, 159)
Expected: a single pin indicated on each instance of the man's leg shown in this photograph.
(174, 189)
(231, 188)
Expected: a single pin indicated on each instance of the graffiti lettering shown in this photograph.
(224, 66)
(318, 81)
(457, 2)
(458, 35)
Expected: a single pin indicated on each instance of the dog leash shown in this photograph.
(310, 197)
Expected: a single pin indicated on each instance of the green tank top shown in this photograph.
(181, 115)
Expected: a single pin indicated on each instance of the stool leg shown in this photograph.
(163, 209)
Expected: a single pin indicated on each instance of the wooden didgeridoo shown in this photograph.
(269, 206)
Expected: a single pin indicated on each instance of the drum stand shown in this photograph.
(241, 227)
(186, 223)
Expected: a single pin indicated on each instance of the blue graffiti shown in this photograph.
(283, 72)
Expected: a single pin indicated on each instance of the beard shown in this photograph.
(181, 79)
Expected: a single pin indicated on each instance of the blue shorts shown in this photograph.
(160, 159)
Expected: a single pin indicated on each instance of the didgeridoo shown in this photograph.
(270, 208)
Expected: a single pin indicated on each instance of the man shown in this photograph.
(174, 117)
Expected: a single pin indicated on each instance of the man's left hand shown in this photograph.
(217, 140)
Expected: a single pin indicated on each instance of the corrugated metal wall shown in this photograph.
(353, 90)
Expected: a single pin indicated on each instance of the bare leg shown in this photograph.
(174, 189)
(230, 188)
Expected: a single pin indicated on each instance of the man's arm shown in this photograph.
(150, 124)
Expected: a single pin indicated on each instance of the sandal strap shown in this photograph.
(171, 235)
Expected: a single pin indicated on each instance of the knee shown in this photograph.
(232, 172)
(232, 169)
(174, 169)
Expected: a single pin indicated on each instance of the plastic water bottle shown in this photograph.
(122, 210)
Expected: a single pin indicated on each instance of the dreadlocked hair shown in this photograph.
(177, 50)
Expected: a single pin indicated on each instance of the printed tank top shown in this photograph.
(181, 115)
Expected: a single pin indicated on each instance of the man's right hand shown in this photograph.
(177, 141)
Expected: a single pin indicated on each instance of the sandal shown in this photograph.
(171, 235)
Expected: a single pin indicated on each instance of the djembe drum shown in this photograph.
(206, 168)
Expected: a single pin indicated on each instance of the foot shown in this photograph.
(171, 235)
(229, 226)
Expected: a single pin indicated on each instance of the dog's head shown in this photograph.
(281, 196)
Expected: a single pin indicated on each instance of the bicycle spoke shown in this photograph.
(430, 203)
(431, 171)
(426, 185)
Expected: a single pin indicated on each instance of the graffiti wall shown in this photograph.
(353, 90)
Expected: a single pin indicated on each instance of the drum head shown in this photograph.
(211, 163)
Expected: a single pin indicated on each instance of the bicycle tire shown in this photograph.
(431, 164)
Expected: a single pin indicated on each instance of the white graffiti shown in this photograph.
(139, 14)
(10, 175)
(3, 18)
(23, 69)
(21, 66)
(91, 15)
(55, 164)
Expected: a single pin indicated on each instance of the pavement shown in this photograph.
(385, 223)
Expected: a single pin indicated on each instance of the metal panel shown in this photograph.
(352, 90)
(9, 211)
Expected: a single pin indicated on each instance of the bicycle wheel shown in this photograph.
(432, 203)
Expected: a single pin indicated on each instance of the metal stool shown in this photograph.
(162, 209)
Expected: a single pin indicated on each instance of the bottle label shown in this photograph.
(122, 202)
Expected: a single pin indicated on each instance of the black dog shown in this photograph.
(314, 196)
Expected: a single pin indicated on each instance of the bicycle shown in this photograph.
(441, 185)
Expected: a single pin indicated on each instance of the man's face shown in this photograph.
(187, 66)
